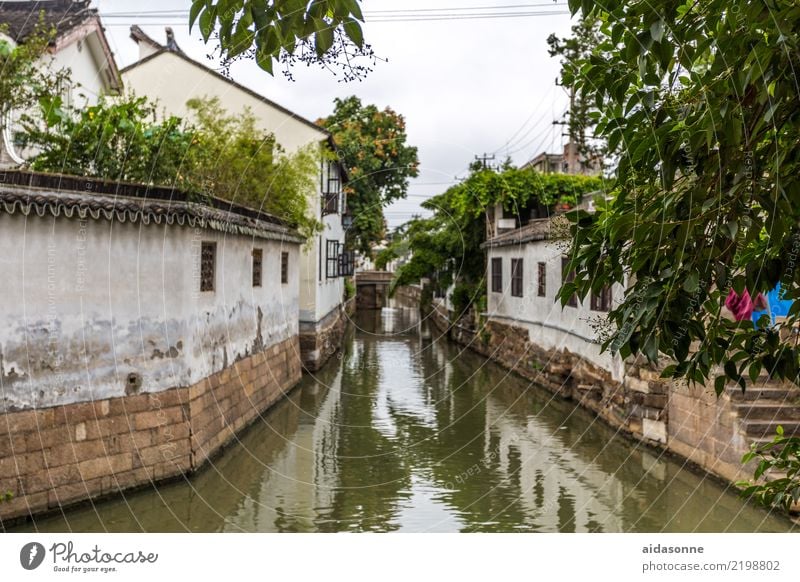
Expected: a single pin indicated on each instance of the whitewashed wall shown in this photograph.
(172, 80)
(549, 325)
(86, 303)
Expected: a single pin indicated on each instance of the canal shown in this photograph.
(402, 432)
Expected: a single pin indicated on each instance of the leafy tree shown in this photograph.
(235, 160)
(699, 102)
(326, 32)
(447, 246)
(215, 153)
(23, 78)
(116, 139)
(372, 146)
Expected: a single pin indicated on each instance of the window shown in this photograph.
(284, 268)
(258, 257)
(602, 302)
(331, 188)
(332, 259)
(347, 261)
(208, 260)
(541, 287)
(568, 277)
(516, 277)
(497, 275)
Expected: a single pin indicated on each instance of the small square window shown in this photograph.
(258, 258)
(284, 268)
(208, 260)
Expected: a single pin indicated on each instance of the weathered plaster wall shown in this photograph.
(94, 308)
(549, 326)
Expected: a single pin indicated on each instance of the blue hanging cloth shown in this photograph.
(776, 306)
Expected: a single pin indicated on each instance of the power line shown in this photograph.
(179, 18)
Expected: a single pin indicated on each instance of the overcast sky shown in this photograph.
(465, 86)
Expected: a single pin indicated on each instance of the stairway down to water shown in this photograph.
(764, 407)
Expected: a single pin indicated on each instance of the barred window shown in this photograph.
(602, 301)
(332, 259)
(258, 257)
(541, 287)
(284, 268)
(497, 275)
(208, 260)
(346, 263)
(516, 277)
(331, 188)
(568, 277)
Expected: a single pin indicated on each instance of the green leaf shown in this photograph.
(323, 38)
(194, 11)
(354, 33)
(207, 22)
(264, 61)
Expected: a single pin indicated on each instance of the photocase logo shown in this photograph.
(31, 555)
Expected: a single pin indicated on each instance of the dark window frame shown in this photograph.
(284, 268)
(568, 277)
(602, 301)
(331, 189)
(331, 258)
(497, 274)
(208, 266)
(258, 267)
(347, 261)
(541, 283)
(517, 274)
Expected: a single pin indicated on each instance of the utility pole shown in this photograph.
(484, 159)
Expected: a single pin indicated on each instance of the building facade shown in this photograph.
(164, 73)
(80, 45)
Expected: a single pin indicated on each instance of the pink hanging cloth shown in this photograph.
(742, 305)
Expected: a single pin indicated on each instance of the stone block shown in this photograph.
(654, 430)
(637, 385)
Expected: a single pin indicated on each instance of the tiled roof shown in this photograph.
(538, 229)
(34, 194)
(22, 17)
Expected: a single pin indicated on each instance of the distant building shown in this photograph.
(80, 45)
(568, 162)
(165, 73)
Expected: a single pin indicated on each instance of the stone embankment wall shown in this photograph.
(690, 422)
(139, 331)
(60, 455)
(408, 294)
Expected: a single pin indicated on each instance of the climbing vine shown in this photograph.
(446, 247)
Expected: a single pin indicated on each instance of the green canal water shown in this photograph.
(402, 432)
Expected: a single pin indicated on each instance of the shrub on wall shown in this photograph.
(214, 153)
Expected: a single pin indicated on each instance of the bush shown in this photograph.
(782, 457)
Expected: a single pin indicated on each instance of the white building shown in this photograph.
(166, 74)
(526, 268)
(80, 45)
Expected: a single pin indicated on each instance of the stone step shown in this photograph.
(789, 394)
(767, 428)
(767, 410)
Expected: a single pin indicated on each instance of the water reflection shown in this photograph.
(406, 432)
